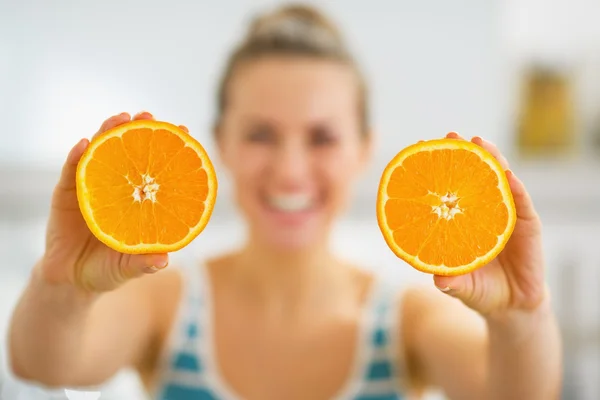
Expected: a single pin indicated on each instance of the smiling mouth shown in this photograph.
(291, 203)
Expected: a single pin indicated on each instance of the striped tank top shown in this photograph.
(188, 370)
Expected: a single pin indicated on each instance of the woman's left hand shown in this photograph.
(514, 280)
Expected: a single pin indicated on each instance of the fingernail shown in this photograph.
(477, 139)
(444, 289)
(144, 112)
(124, 114)
(509, 173)
(150, 270)
(160, 264)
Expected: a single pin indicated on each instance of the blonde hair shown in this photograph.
(296, 30)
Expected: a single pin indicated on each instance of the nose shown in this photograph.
(292, 163)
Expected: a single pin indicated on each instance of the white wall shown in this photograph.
(68, 65)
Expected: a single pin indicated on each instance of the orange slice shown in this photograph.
(146, 187)
(445, 206)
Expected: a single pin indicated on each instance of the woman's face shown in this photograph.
(290, 138)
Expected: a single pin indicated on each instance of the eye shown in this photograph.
(261, 134)
(322, 136)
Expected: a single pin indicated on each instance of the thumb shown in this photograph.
(460, 286)
(134, 265)
(64, 193)
(117, 271)
(69, 170)
(478, 292)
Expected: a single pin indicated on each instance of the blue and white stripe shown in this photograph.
(188, 371)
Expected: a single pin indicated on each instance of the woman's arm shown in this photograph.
(82, 315)
(63, 336)
(505, 343)
(472, 357)
(525, 355)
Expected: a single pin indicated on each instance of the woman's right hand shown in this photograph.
(73, 254)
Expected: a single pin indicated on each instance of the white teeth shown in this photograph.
(291, 202)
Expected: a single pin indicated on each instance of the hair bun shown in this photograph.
(295, 24)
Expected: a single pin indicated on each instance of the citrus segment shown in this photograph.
(445, 206)
(146, 187)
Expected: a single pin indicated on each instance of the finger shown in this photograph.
(186, 130)
(493, 150)
(460, 286)
(143, 115)
(69, 170)
(134, 265)
(454, 135)
(523, 203)
(113, 121)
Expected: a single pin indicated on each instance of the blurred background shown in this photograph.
(524, 74)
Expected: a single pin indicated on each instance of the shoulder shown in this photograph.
(420, 306)
(162, 293)
(416, 300)
(432, 322)
(423, 305)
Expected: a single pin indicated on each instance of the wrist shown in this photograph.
(49, 278)
(520, 324)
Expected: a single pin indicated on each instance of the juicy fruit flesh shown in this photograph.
(153, 191)
(445, 207)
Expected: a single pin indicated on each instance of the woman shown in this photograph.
(282, 318)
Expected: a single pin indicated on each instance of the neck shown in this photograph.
(288, 280)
